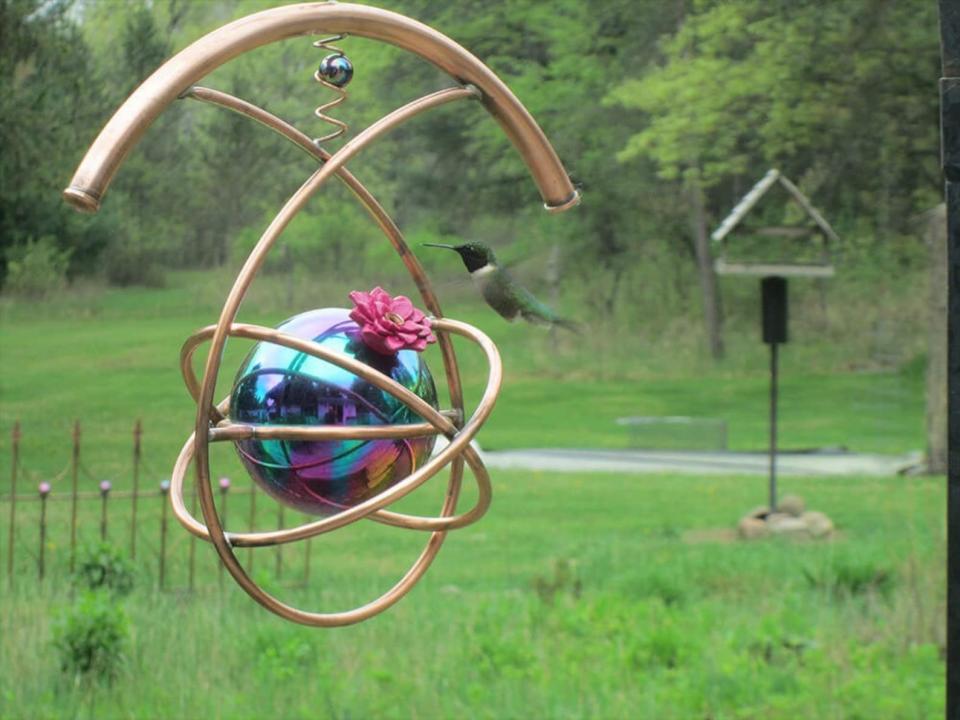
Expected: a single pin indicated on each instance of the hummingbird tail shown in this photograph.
(569, 325)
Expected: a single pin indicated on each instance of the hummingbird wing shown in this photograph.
(502, 298)
(510, 300)
(532, 309)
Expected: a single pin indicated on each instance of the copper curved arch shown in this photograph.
(177, 75)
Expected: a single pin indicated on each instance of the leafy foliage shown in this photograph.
(102, 566)
(564, 581)
(664, 113)
(848, 576)
(36, 268)
(48, 93)
(837, 95)
(92, 638)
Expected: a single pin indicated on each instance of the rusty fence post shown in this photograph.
(44, 490)
(280, 524)
(75, 473)
(224, 489)
(15, 452)
(164, 491)
(306, 562)
(193, 543)
(253, 525)
(137, 433)
(105, 488)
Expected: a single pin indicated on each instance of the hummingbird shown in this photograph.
(504, 294)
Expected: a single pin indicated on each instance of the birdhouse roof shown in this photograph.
(748, 201)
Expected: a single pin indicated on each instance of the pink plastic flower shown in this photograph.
(390, 324)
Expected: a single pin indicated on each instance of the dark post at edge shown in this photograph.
(950, 160)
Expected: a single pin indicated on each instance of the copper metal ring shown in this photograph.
(176, 79)
(459, 444)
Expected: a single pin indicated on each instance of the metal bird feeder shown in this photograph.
(805, 255)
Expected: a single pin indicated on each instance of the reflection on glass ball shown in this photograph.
(336, 70)
(280, 386)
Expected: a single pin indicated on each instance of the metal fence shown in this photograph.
(29, 527)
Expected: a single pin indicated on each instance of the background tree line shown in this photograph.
(665, 113)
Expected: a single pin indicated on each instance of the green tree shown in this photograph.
(48, 103)
(837, 95)
(560, 59)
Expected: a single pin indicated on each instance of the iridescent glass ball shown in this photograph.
(336, 70)
(280, 386)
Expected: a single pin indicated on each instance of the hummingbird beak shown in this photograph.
(448, 247)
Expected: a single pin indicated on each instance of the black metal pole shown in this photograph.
(950, 160)
(774, 378)
(773, 325)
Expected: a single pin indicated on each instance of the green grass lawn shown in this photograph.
(109, 357)
(577, 596)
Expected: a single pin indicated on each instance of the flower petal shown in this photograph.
(376, 343)
(377, 313)
(402, 306)
(393, 343)
(383, 326)
(358, 316)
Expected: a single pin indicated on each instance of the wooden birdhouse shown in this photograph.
(758, 248)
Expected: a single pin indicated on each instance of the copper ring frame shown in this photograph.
(176, 79)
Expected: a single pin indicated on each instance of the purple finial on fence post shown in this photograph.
(44, 490)
(164, 491)
(105, 488)
(15, 452)
(137, 433)
(75, 473)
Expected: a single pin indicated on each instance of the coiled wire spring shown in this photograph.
(321, 111)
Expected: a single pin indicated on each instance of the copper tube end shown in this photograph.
(81, 200)
(570, 202)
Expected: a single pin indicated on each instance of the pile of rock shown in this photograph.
(791, 519)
